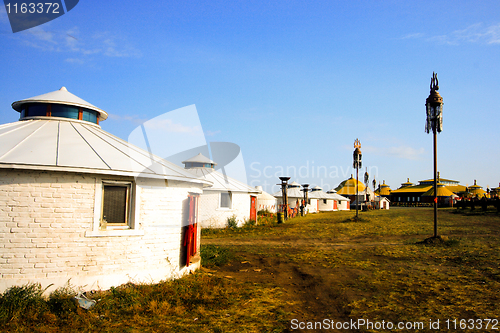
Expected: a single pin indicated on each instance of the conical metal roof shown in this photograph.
(264, 195)
(221, 182)
(78, 146)
(292, 192)
(199, 159)
(61, 96)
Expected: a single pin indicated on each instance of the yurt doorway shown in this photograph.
(191, 230)
(253, 208)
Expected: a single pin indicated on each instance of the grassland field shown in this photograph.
(322, 268)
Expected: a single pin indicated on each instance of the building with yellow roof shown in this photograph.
(409, 194)
(407, 183)
(384, 190)
(495, 192)
(444, 195)
(476, 191)
(347, 188)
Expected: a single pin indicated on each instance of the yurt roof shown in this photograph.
(316, 188)
(442, 191)
(338, 197)
(293, 192)
(199, 159)
(221, 182)
(78, 146)
(444, 180)
(383, 189)
(412, 189)
(478, 191)
(456, 188)
(348, 187)
(475, 186)
(294, 184)
(407, 183)
(263, 195)
(319, 195)
(61, 96)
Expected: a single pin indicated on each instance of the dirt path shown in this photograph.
(309, 291)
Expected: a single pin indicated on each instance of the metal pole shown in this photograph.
(357, 198)
(435, 184)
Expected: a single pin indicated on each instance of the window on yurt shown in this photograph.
(116, 204)
(34, 110)
(64, 111)
(225, 200)
(324, 201)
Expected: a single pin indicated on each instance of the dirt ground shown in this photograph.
(311, 292)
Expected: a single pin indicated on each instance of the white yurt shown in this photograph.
(225, 198)
(81, 205)
(343, 203)
(324, 202)
(294, 194)
(265, 201)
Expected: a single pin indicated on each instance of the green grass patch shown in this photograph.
(212, 255)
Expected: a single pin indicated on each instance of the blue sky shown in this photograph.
(293, 83)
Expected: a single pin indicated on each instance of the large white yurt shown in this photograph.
(225, 198)
(81, 205)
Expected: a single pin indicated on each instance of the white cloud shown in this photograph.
(414, 35)
(475, 33)
(82, 47)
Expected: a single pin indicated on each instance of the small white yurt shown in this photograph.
(294, 194)
(343, 203)
(227, 197)
(81, 205)
(265, 201)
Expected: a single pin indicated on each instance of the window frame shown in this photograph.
(131, 229)
(230, 194)
(104, 225)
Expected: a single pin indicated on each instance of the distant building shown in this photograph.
(225, 198)
(343, 203)
(347, 189)
(444, 195)
(477, 191)
(265, 201)
(409, 194)
(384, 190)
(294, 194)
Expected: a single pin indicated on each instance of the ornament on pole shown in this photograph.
(434, 108)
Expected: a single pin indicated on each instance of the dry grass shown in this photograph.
(257, 279)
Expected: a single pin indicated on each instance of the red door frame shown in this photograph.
(253, 208)
(191, 234)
